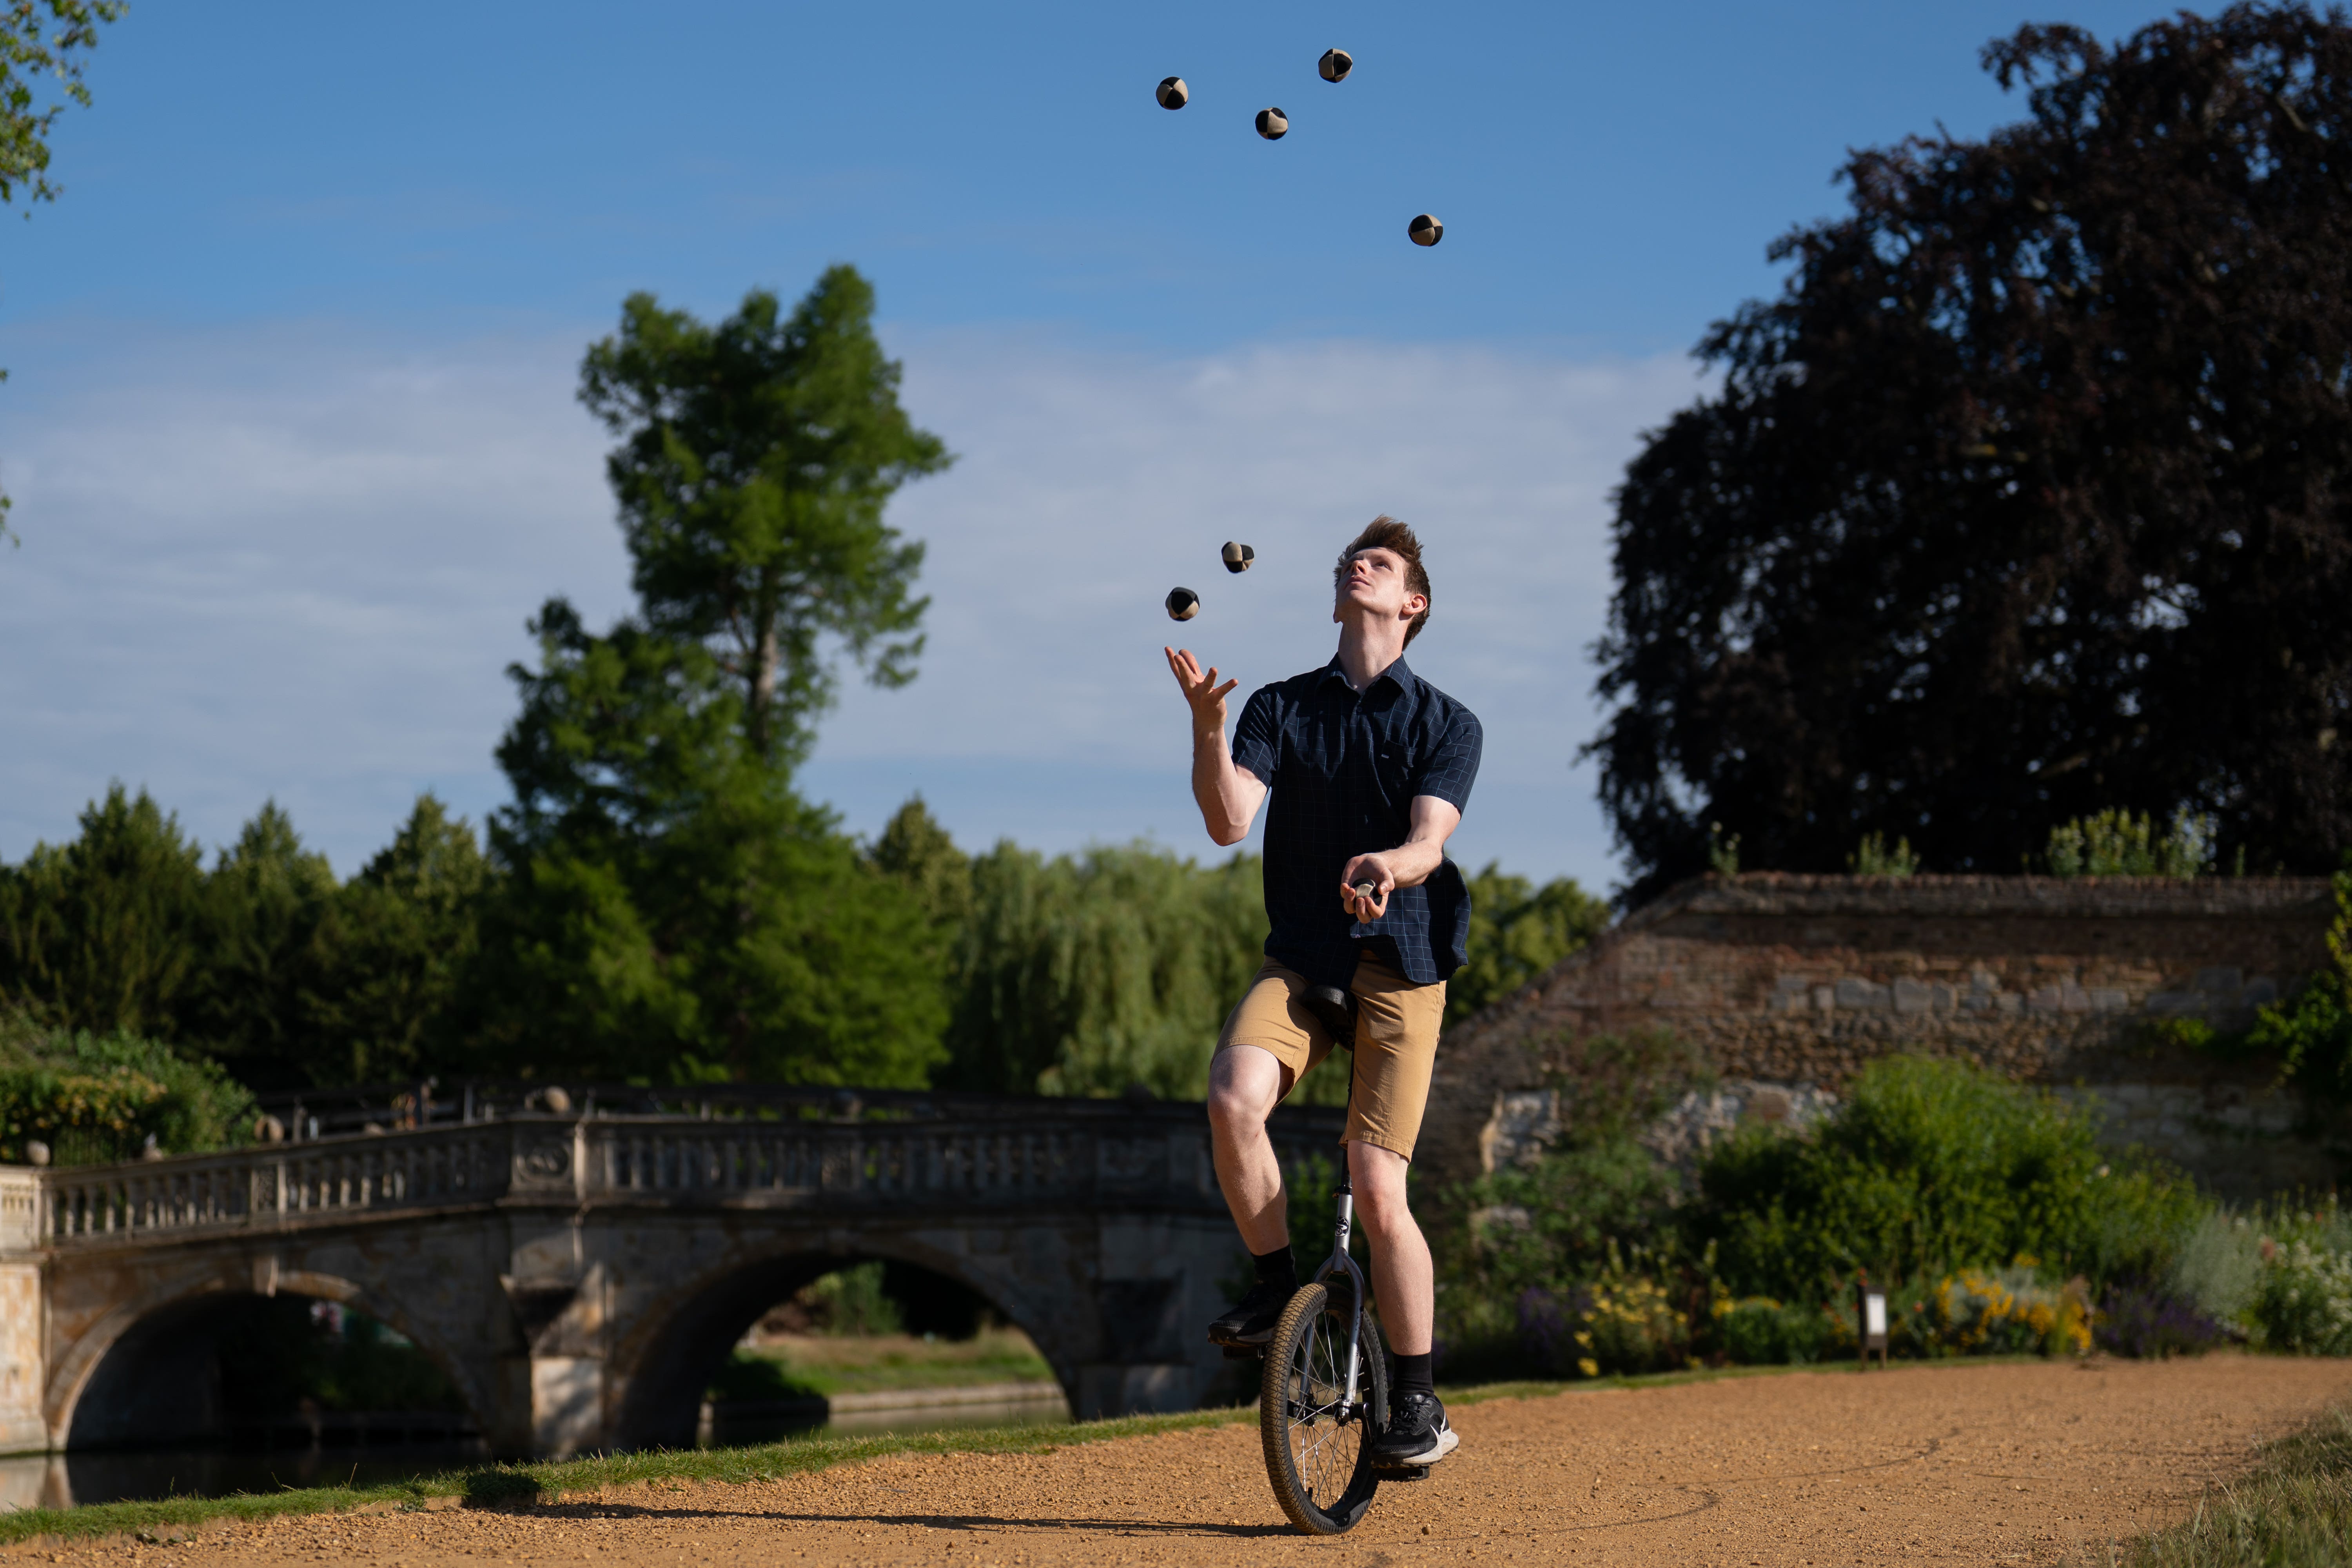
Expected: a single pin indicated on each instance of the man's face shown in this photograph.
(1375, 582)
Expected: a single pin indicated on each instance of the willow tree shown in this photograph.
(2031, 493)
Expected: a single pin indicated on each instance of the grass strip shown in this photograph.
(2294, 1511)
(516, 1485)
(492, 1486)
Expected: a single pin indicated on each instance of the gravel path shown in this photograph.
(1953, 1463)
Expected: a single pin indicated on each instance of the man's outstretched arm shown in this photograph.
(1228, 795)
(1409, 864)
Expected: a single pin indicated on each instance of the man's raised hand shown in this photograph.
(1206, 697)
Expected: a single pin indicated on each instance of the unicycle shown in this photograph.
(1324, 1395)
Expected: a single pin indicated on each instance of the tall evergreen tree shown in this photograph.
(2028, 496)
(403, 949)
(260, 961)
(673, 907)
(102, 934)
(755, 460)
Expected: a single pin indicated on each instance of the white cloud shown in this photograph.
(297, 564)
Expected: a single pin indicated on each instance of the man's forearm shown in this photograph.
(1416, 860)
(1217, 787)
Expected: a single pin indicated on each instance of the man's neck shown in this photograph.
(1366, 652)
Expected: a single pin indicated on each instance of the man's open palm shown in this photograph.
(1207, 698)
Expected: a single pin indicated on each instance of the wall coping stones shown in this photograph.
(1992, 898)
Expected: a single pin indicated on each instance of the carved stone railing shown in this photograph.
(1065, 1154)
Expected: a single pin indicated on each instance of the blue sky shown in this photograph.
(291, 429)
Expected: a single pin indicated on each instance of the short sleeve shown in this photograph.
(1452, 766)
(1257, 738)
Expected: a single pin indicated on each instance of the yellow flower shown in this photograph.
(1588, 1367)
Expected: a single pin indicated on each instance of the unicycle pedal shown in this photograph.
(1243, 1353)
(1396, 1475)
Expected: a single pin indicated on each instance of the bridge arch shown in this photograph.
(664, 1365)
(145, 1372)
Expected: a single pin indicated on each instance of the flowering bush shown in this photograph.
(2002, 1311)
(2304, 1303)
(1624, 1322)
(2155, 1323)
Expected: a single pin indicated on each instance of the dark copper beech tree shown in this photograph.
(2031, 495)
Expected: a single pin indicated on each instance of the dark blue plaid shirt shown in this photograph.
(1343, 769)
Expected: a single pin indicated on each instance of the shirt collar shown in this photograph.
(1399, 672)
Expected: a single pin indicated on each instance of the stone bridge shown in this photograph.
(580, 1277)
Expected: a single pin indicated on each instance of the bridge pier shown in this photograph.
(580, 1278)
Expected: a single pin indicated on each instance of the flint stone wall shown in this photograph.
(1791, 984)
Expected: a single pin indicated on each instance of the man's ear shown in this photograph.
(1414, 603)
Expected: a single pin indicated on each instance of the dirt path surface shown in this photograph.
(1979, 1463)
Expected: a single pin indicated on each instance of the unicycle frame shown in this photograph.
(1339, 1262)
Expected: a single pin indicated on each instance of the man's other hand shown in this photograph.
(1367, 869)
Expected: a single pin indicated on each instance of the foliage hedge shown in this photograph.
(1987, 1210)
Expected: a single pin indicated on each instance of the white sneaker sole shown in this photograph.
(1447, 1443)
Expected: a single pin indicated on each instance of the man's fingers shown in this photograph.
(1219, 693)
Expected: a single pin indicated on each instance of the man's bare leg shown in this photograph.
(1244, 1086)
(1404, 1283)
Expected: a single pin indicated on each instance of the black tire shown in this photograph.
(1319, 1456)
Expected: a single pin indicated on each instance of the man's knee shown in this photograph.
(1243, 1092)
(1378, 1176)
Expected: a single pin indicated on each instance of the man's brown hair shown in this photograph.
(1385, 533)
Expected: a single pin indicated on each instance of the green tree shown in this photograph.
(1518, 932)
(673, 909)
(404, 939)
(2029, 493)
(920, 853)
(755, 460)
(40, 38)
(266, 916)
(101, 933)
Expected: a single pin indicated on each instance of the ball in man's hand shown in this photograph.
(1336, 64)
(1173, 93)
(1425, 230)
(1182, 604)
(1238, 556)
(1272, 124)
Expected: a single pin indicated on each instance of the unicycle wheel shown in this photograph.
(1318, 1447)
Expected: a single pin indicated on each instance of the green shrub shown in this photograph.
(2117, 844)
(853, 1302)
(1927, 1167)
(95, 1099)
(1760, 1331)
(2311, 1031)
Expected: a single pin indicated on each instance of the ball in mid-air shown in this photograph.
(1272, 124)
(1173, 93)
(1238, 556)
(1425, 230)
(1336, 64)
(1182, 604)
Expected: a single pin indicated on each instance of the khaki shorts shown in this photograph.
(1395, 1045)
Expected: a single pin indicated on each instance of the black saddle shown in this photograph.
(1335, 1010)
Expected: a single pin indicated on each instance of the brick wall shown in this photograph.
(1790, 984)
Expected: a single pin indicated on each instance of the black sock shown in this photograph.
(1413, 1373)
(1276, 1268)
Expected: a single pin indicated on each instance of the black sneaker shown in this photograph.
(1417, 1433)
(1251, 1319)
